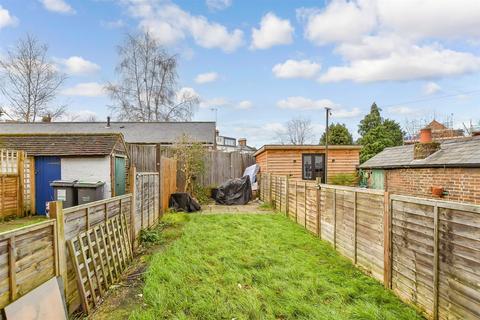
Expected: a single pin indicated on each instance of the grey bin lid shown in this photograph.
(86, 184)
(62, 183)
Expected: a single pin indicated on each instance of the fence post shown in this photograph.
(355, 195)
(436, 227)
(305, 206)
(55, 209)
(21, 181)
(271, 189)
(296, 201)
(287, 201)
(387, 253)
(133, 204)
(319, 219)
(335, 218)
(12, 268)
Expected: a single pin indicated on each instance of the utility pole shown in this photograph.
(327, 119)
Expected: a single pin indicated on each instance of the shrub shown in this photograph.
(344, 179)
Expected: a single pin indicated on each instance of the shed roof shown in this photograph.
(133, 132)
(455, 153)
(305, 147)
(61, 144)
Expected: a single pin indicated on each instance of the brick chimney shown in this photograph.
(242, 142)
(426, 147)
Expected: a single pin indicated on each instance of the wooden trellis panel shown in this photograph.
(100, 255)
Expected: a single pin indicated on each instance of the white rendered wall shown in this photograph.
(88, 169)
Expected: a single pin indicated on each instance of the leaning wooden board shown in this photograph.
(100, 255)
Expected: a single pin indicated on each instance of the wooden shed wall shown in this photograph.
(289, 162)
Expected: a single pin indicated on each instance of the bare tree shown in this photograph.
(30, 81)
(297, 131)
(147, 88)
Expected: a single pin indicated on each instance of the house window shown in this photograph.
(313, 166)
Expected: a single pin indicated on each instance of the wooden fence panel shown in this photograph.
(9, 195)
(168, 181)
(370, 235)
(345, 224)
(459, 263)
(311, 207)
(426, 250)
(412, 253)
(27, 259)
(143, 157)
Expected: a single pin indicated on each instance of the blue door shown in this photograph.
(47, 169)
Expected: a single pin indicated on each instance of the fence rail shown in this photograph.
(426, 251)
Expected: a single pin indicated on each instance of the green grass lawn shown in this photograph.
(259, 267)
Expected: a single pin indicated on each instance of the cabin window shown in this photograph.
(313, 167)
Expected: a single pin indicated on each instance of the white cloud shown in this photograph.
(218, 4)
(214, 103)
(245, 104)
(59, 6)
(113, 24)
(6, 19)
(273, 31)
(340, 21)
(431, 88)
(384, 40)
(206, 77)
(401, 110)
(168, 23)
(431, 18)
(296, 69)
(406, 63)
(342, 113)
(302, 103)
(79, 65)
(87, 89)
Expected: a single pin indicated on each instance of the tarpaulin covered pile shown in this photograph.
(182, 201)
(234, 191)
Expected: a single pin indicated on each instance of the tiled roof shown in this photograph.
(133, 132)
(455, 153)
(61, 144)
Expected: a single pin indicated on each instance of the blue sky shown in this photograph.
(261, 63)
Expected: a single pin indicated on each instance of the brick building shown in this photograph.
(448, 169)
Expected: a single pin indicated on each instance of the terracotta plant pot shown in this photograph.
(437, 191)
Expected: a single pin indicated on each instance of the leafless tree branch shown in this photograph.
(147, 88)
(30, 81)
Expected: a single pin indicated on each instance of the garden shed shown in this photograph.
(307, 162)
(83, 157)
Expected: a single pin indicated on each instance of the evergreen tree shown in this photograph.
(377, 134)
(338, 134)
(371, 120)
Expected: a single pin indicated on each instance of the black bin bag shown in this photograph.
(182, 201)
(234, 191)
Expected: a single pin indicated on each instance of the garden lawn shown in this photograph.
(259, 267)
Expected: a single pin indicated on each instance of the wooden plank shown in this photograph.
(12, 272)
(96, 267)
(334, 208)
(88, 272)
(76, 263)
(56, 212)
(387, 229)
(355, 227)
(435, 262)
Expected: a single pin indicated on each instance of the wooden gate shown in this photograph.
(11, 182)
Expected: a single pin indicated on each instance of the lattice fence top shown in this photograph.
(9, 161)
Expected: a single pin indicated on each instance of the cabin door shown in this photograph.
(120, 176)
(47, 169)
